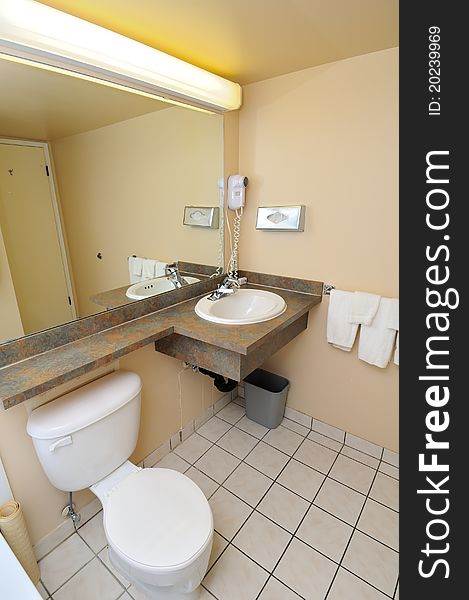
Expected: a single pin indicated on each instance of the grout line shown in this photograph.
(395, 589)
(72, 576)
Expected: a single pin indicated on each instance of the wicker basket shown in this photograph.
(13, 528)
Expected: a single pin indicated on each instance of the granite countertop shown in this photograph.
(35, 375)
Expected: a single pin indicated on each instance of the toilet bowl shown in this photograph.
(157, 522)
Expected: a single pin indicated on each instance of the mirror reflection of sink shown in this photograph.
(152, 287)
(244, 307)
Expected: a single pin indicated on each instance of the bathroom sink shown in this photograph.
(242, 308)
(151, 287)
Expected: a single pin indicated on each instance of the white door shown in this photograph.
(31, 239)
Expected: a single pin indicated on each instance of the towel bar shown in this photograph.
(326, 289)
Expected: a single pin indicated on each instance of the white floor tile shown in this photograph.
(352, 473)
(232, 413)
(248, 484)
(363, 445)
(296, 427)
(214, 429)
(283, 439)
(93, 533)
(274, 590)
(222, 402)
(305, 571)
(348, 587)
(104, 556)
(193, 448)
(386, 490)
(262, 540)
(283, 507)
(173, 461)
(301, 479)
(298, 417)
(373, 562)
(325, 533)
(329, 430)
(366, 459)
(391, 457)
(217, 464)
(267, 460)
(206, 595)
(237, 442)
(218, 545)
(229, 513)
(324, 441)
(381, 523)
(64, 561)
(316, 456)
(235, 577)
(93, 582)
(340, 500)
(389, 470)
(251, 427)
(207, 485)
(42, 591)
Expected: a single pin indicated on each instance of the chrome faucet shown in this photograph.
(172, 273)
(229, 286)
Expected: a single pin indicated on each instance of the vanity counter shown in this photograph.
(177, 331)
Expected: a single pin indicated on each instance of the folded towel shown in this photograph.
(377, 339)
(135, 268)
(364, 308)
(340, 333)
(148, 268)
(396, 351)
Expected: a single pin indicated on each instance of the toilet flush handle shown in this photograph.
(65, 441)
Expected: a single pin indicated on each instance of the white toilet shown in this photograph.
(158, 523)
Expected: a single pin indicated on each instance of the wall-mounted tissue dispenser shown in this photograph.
(281, 218)
(201, 216)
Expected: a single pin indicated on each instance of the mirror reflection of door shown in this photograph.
(33, 244)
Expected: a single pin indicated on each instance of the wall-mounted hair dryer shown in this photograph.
(236, 191)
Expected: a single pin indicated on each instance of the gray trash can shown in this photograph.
(266, 396)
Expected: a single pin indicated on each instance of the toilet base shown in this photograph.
(182, 586)
(169, 594)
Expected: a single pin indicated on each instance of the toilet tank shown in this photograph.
(84, 435)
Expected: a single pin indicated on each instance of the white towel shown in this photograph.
(160, 268)
(396, 351)
(340, 333)
(135, 269)
(364, 308)
(148, 268)
(377, 340)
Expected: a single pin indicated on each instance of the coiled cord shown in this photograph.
(233, 264)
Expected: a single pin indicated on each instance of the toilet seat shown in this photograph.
(158, 520)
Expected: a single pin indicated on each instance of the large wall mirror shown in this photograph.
(91, 175)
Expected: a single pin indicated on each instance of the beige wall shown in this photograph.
(326, 137)
(123, 188)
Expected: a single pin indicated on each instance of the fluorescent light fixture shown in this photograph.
(38, 34)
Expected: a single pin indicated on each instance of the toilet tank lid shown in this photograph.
(84, 406)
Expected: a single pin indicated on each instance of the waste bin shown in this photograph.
(266, 396)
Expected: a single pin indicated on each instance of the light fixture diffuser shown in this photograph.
(37, 33)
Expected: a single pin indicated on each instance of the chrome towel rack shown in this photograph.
(326, 289)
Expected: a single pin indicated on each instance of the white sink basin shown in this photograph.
(151, 287)
(242, 308)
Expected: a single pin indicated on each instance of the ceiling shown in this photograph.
(37, 104)
(248, 40)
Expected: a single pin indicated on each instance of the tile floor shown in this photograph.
(297, 515)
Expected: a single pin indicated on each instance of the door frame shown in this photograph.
(57, 214)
